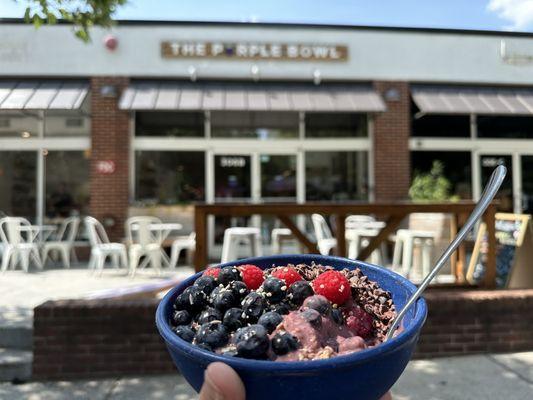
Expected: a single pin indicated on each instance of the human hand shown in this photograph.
(221, 382)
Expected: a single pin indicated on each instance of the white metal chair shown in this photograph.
(143, 242)
(324, 239)
(406, 240)
(64, 241)
(355, 221)
(233, 237)
(101, 247)
(16, 246)
(182, 243)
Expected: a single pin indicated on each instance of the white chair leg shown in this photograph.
(6, 258)
(44, 254)
(257, 248)
(135, 257)
(115, 260)
(34, 254)
(174, 256)
(99, 263)
(65, 257)
(226, 248)
(407, 257)
(155, 259)
(25, 260)
(426, 256)
(73, 255)
(124, 258)
(397, 253)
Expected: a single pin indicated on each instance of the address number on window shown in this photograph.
(227, 162)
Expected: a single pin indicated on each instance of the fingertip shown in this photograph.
(226, 380)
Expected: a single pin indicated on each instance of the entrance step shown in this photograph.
(15, 365)
(16, 337)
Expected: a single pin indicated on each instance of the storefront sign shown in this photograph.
(232, 162)
(105, 167)
(255, 51)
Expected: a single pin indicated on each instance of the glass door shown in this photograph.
(232, 184)
(505, 195)
(527, 184)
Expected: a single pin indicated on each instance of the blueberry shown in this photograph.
(275, 289)
(212, 334)
(253, 306)
(270, 320)
(284, 342)
(206, 284)
(224, 299)
(336, 316)
(181, 302)
(233, 319)
(252, 341)
(208, 315)
(185, 332)
(313, 317)
(229, 274)
(181, 317)
(239, 289)
(195, 298)
(298, 292)
(280, 308)
(319, 303)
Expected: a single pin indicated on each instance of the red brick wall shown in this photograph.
(392, 129)
(83, 339)
(110, 141)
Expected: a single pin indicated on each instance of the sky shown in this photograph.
(501, 15)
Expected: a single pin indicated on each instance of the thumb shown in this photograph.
(221, 383)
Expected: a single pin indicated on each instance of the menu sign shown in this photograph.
(254, 51)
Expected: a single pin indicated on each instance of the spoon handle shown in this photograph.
(490, 191)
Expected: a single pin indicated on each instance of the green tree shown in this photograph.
(432, 185)
(83, 14)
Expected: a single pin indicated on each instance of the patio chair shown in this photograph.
(143, 243)
(101, 247)
(64, 241)
(324, 239)
(233, 237)
(355, 221)
(16, 246)
(182, 243)
(406, 240)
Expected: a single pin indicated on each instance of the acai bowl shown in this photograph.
(364, 371)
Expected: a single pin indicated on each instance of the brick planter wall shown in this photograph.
(85, 339)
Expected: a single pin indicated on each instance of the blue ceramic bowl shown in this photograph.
(365, 375)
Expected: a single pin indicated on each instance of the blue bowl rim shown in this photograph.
(293, 366)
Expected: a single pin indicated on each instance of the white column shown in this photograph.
(41, 165)
(517, 182)
(132, 158)
(371, 178)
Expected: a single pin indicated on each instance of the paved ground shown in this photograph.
(20, 292)
(508, 377)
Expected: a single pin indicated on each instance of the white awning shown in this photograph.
(161, 96)
(473, 100)
(42, 95)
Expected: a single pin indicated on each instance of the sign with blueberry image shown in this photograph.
(513, 251)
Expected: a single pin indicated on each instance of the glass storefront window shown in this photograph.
(169, 124)
(254, 125)
(62, 123)
(336, 176)
(439, 125)
(504, 127)
(169, 177)
(278, 177)
(18, 124)
(457, 169)
(67, 183)
(18, 172)
(338, 125)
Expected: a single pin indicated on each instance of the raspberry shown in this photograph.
(333, 286)
(359, 322)
(252, 276)
(212, 272)
(287, 274)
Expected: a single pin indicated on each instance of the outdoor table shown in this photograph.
(40, 232)
(165, 229)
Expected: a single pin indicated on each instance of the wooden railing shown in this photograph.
(391, 213)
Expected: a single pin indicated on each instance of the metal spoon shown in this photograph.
(490, 191)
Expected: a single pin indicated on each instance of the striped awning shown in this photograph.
(161, 96)
(42, 95)
(473, 100)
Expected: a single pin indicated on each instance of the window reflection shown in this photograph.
(173, 124)
(19, 124)
(327, 125)
(17, 183)
(169, 177)
(67, 183)
(254, 125)
(336, 176)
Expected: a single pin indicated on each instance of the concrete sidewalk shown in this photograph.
(504, 376)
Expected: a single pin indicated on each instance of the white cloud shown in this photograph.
(518, 12)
